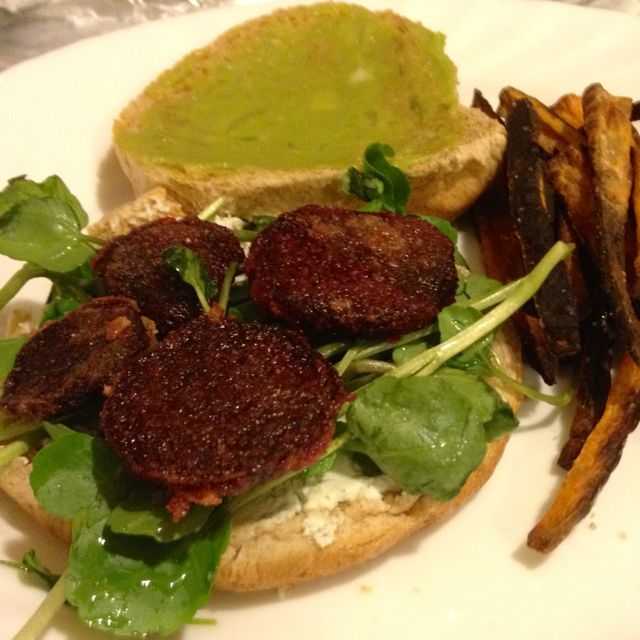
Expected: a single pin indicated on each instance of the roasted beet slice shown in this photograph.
(220, 407)
(348, 273)
(133, 265)
(68, 363)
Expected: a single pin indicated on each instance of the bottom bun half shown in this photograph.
(275, 552)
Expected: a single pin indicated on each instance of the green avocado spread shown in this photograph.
(310, 88)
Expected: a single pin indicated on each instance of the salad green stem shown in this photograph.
(211, 210)
(12, 451)
(429, 361)
(381, 347)
(347, 359)
(492, 299)
(45, 613)
(237, 503)
(11, 431)
(557, 400)
(11, 287)
(332, 348)
(368, 365)
(223, 300)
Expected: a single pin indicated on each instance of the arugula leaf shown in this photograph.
(77, 473)
(454, 319)
(192, 271)
(59, 307)
(41, 223)
(133, 586)
(319, 468)
(143, 513)
(427, 433)
(9, 348)
(443, 226)
(56, 430)
(384, 186)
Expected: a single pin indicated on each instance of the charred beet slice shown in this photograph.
(133, 265)
(341, 272)
(218, 408)
(69, 362)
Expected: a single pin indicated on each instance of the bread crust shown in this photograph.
(273, 553)
(443, 184)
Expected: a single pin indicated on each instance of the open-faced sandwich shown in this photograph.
(271, 365)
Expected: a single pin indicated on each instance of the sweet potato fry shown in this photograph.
(551, 132)
(635, 111)
(597, 459)
(593, 379)
(531, 204)
(608, 130)
(635, 205)
(569, 108)
(502, 258)
(571, 175)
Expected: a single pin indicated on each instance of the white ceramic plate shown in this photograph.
(472, 577)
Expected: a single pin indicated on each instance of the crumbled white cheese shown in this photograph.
(230, 222)
(317, 498)
(322, 526)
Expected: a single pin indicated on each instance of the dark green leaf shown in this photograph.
(426, 433)
(476, 286)
(9, 349)
(503, 421)
(192, 271)
(443, 226)
(143, 513)
(55, 430)
(259, 223)
(384, 186)
(319, 468)
(77, 473)
(41, 223)
(133, 586)
(451, 321)
(58, 308)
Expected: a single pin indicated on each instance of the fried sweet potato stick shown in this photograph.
(531, 204)
(569, 108)
(571, 175)
(635, 111)
(608, 130)
(635, 205)
(551, 132)
(597, 459)
(593, 380)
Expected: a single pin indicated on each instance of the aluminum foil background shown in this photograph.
(31, 27)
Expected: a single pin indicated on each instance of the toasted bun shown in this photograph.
(443, 184)
(267, 553)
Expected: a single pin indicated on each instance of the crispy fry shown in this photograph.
(571, 175)
(608, 129)
(551, 132)
(635, 111)
(593, 379)
(569, 108)
(573, 263)
(597, 459)
(635, 204)
(532, 208)
(502, 258)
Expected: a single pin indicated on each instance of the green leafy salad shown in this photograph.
(422, 412)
